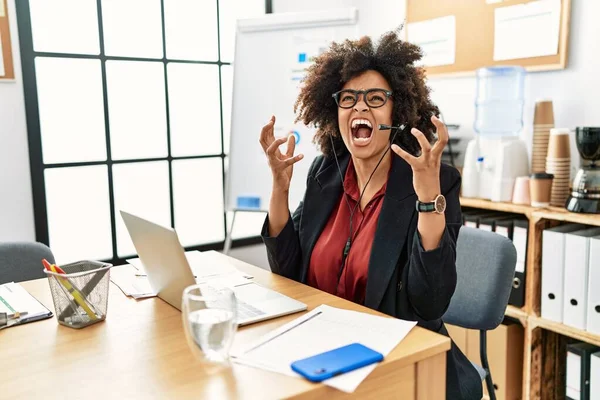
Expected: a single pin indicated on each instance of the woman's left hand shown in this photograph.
(426, 167)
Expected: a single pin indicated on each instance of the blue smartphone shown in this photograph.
(335, 362)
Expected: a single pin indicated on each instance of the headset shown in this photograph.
(348, 245)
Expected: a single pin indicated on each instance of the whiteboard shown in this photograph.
(271, 56)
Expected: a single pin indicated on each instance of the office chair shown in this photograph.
(485, 267)
(22, 261)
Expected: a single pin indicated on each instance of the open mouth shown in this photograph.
(361, 131)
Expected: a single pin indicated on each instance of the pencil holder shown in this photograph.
(80, 295)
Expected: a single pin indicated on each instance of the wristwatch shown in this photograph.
(437, 206)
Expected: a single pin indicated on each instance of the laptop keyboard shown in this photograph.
(246, 311)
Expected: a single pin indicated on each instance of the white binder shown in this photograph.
(595, 376)
(593, 303)
(553, 257)
(576, 276)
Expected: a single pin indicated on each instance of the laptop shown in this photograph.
(169, 273)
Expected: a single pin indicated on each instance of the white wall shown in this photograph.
(575, 91)
(16, 203)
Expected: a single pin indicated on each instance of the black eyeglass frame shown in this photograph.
(357, 94)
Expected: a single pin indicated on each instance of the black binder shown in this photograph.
(578, 363)
(468, 213)
(473, 218)
(520, 236)
(504, 227)
(494, 220)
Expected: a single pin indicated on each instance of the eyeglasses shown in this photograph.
(374, 98)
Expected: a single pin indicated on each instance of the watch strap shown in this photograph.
(425, 207)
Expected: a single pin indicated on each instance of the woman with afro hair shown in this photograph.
(376, 227)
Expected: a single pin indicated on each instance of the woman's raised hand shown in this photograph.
(426, 167)
(282, 164)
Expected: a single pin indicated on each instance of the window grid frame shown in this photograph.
(37, 165)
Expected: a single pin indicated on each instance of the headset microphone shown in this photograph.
(383, 127)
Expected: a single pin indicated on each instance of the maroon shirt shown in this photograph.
(326, 258)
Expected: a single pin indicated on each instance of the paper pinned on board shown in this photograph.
(527, 30)
(305, 49)
(324, 328)
(2, 72)
(437, 39)
(2, 13)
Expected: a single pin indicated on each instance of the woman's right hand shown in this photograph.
(282, 164)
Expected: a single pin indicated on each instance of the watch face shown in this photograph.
(440, 204)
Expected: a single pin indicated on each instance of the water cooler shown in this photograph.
(497, 156)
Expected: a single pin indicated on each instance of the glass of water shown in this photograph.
(209, 319)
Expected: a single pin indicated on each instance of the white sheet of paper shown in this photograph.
(131, 285)
(15, 297)
(527, 30)
(2, 72)
(2, 11)
(132, 280)
(203, 265)
(305, 49)
(137, 264)
(324, 328)
(573, 375)
(437, 38)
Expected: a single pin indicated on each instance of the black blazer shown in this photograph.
(404, 280)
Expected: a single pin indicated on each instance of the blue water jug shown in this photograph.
(499, 101)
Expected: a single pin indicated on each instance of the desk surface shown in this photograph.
(140, 351)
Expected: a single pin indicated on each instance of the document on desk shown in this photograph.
(14, 298)
(204, 265)
(132, 279)
(126, 277)
(324, 328)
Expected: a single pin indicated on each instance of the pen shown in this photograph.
(7, 320)
(285, 331)
(16, 315)
(144, 274)
(87, 289)
(79, 298)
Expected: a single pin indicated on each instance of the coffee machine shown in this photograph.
(585, 194)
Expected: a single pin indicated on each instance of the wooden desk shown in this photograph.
(140, 352)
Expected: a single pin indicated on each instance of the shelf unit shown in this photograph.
(517, 313)
(545, 341)
(565, 330)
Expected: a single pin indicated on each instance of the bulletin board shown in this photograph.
(475, 34)
(7, 70)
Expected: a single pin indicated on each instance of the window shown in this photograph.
(128, 108)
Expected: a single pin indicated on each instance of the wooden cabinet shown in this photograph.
(544, 342)
(505, 356)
